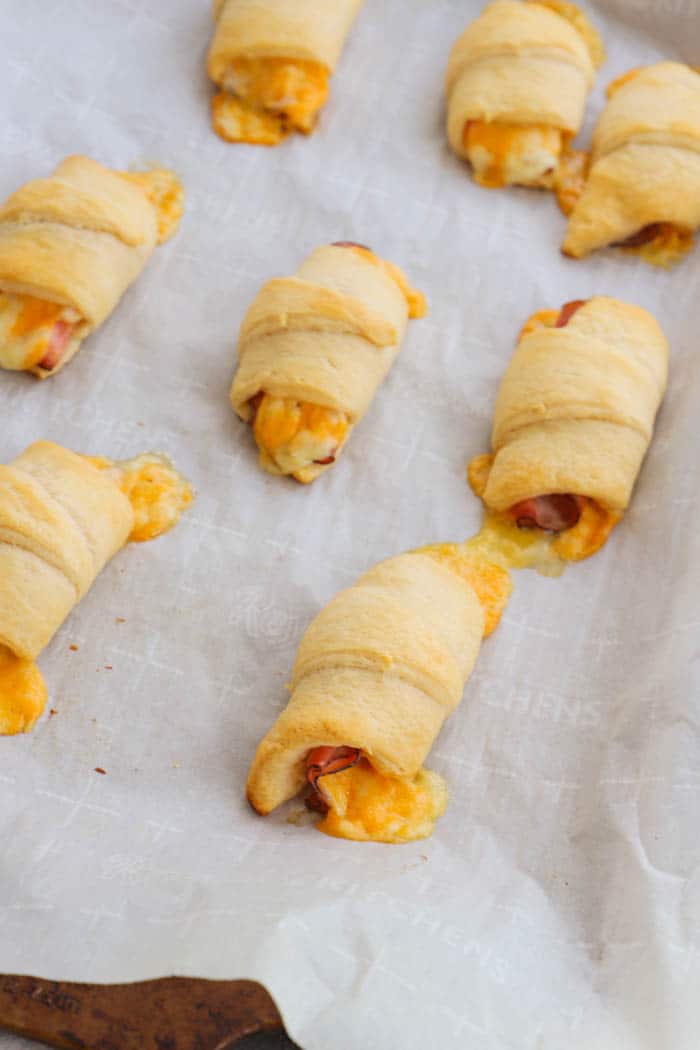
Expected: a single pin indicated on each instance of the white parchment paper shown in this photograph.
(557, 904)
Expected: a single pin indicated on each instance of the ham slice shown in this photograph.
(643, 236)
(58, 344)
(553, 513)
(568, 310)
(349, 244)
(323, 761)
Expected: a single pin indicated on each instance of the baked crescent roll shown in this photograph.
(70, 246)
(62, 517)
(376, 675)
(312, 350)
(643, 186)
(273, 60)
(517, 83)
(573, 420)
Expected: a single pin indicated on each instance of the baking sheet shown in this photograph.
(557, 903)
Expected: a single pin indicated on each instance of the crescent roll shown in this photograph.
(376, 675)
(573, 420)
(517, 83)
(62, 517)
(273, 60)
(70, 246)
(642, 191)
(312, 350)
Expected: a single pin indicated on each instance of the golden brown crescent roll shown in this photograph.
(312, 350)
(62, 517)
(70, 246)
(517, 83)
(376, 675)
(573, 420)
(642, 191)
(273, 60)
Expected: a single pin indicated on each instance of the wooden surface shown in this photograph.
(174, 1013)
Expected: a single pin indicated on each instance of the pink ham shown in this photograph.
(323, 761)
(552, 513)
(58, 344)
(349, 244)
(568, 310)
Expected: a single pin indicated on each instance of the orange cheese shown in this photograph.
(506, 146)
(490, 581)
(665, 248)
(588, 535)
(235, 121)
(33, 313)
(165, 192)
(27, 325)
(22, 693)
(366, 805)
(296, 434)
(517, 548)
(157, 492)
(267, 98)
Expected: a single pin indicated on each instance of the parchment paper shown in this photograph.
(557, 903)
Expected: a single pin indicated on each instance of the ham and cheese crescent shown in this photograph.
(573, 420)
(62, 517)
(376, 675)
(70, 246)
(273, 60)
(312, 351)
(642, 191)
(517, 83)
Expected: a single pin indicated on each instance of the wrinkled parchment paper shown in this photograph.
(557, 904)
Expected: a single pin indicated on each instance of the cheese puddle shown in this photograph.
(23, 693)
(157, 492)
(366, 805)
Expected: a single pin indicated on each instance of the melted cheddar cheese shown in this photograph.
(512, 154)
(164, 191)
(489, 578)
(22, 693)
(415, 300)
(366, 805)
(293, 436)
(157, 492)
(502, 540)
(666, 247)
(26, 327)
(264, 99)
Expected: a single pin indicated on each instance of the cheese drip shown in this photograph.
(35, 332)
(157, 492)
(504, 154)
(503, 541)
(164, 191)
(293, 436)
(265, 99)
(22, 693)
(366, 805)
